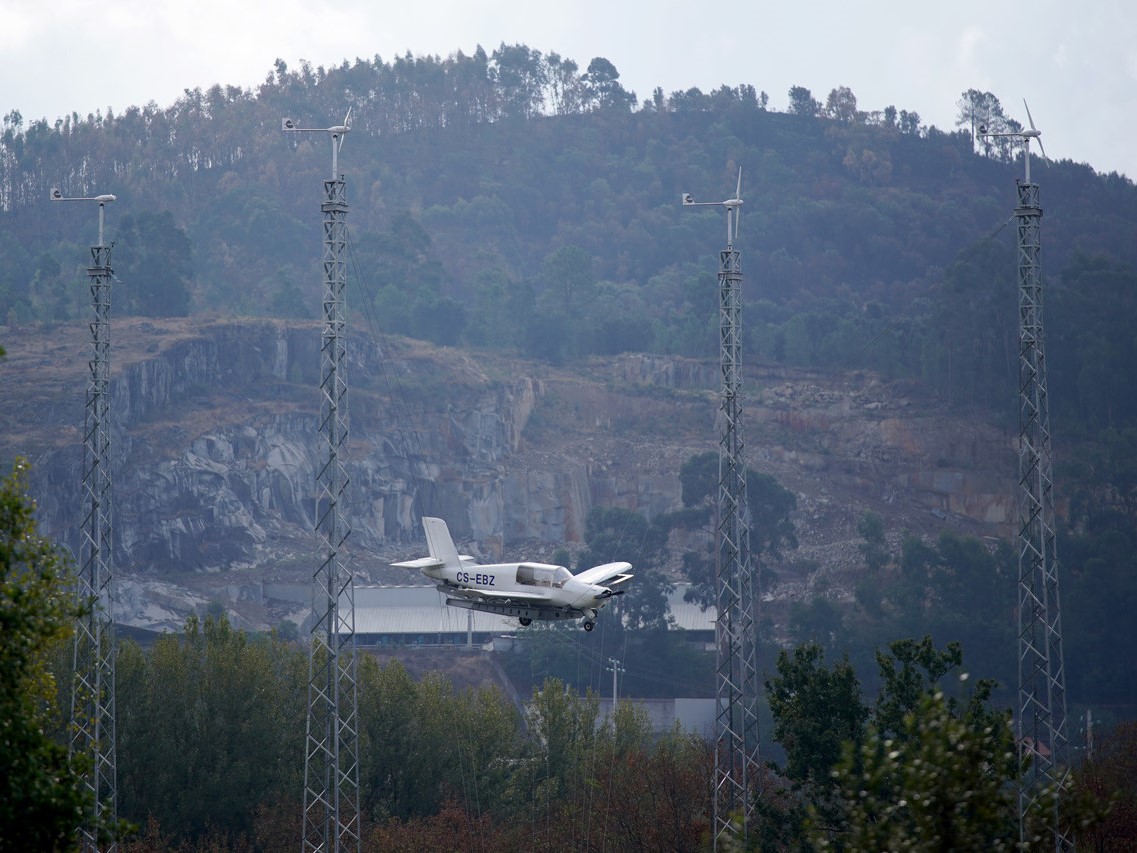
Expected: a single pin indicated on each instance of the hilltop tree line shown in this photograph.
(514, 200)
(406, 95)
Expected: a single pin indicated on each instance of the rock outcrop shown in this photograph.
(216, 451)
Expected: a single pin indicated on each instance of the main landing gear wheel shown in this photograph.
(588, 626)
(524, 620)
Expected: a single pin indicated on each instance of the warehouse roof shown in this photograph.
(423, 610)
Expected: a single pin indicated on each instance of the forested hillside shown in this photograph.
(514, 201)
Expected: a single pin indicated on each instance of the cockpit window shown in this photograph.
(530, 574)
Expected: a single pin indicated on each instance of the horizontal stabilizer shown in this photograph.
(422, 563)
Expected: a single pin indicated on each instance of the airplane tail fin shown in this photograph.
(440, 543)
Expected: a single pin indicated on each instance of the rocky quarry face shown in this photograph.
(216, 450)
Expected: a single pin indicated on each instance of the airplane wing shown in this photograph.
(529, 598)
(609, 574)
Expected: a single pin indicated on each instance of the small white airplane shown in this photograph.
(527, 591)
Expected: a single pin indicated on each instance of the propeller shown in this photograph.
(1034, 132)
(340, 133)
(738, 210)
(609, 593)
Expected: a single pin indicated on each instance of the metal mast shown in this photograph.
(736, 674)
(1042, 727)
(93, 691)
(331, 754)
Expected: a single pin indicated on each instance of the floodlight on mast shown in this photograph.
(733, 209)
(1025, 135)
(337, 133)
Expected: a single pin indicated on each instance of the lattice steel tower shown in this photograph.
(93, 691)
(736, 673)
(1041, 724)
(331, 754)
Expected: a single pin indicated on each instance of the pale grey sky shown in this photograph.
(1077, 69)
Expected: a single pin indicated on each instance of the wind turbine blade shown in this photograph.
(347, 118)
(1028, 116)
(738, 191)
(1042, 148)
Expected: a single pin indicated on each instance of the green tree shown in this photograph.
(615, 533)
(699, 478)
(422, 743)
(824, 726)
(211, 727)
(555, 776)
(653, 787)
(816, 708)
(874, 551)
(802, 102)
(569, 277)
(873, 547)
(842, 106)
(981, 113)
(602, 88)
(155, 262)
(956, 587)
(772, 531)
(42, 796)
(941, 783)
(909, 672)
(771, 504)
(820, 621)
(521, 77)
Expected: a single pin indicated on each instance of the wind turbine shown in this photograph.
(331, 753)
(337, 132)
(103, 200)
(736, 674)
(733, 209)
(93, 673)
(1025, 135)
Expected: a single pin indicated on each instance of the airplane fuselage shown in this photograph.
(526, 591)
(552, 586)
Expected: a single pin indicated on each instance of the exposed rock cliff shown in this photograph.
(216, 452)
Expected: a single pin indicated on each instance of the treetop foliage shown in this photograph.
(42, 800)
(517, 199)
(931, 765)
